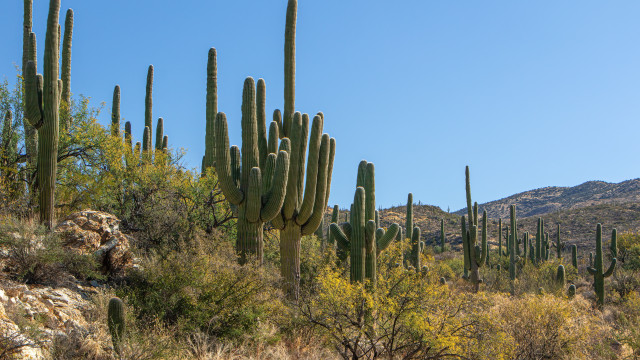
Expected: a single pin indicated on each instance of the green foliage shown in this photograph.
(204, 290)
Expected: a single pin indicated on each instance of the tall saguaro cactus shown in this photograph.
(66, 68)
(598, 270)
(258, 195)
(476, 254)
(442, 239)
(304, 206)
(409, 219)
(28, 54)
(360, 235)
(289, 66)
(211, 110)
(43, 99)
(115, 112)
(148, 106)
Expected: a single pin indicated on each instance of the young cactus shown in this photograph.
(560, 277)
(360, 235)
(115, 112)
(116, 323)
(598, 270)
(42, 110)
(574, 256)
(258, 195)
(571, 292)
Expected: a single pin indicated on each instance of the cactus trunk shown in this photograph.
(211, 110)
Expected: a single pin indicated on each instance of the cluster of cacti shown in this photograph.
(42, 110)
(116, 323)
(597, 270)
(542, 243)
(474, 255)
(258, 190)
(360, 236)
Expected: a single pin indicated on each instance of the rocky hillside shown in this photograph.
(553, 198)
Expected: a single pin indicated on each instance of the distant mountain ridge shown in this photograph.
(554, 198)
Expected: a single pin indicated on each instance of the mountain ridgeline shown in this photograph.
(540, 202)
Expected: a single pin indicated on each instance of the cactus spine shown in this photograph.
(116, 322)
(360, 235)
(211, 110)
(475, 256)
(245, 185)
(598, 270)
(43, 103)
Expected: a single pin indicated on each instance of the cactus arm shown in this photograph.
(291, 200)
(346, 228)
(261, 98)
(340, 236)
(370, 193)
(383, 242)
(115, 112)
(332, 155)
(276, 195)
(465, 242)
(591, 270)
(312, 171)
(303, 155)
(467, 184)
(358, 253)
(277, 118)
(484, 247)
(254, 195)
(235, 165)
(319, 207)
(33, 88)
(165, 143)
(159, 133)
(272, 143)
(612, 267)
(408, 226)
(223, 162)
(267, 176)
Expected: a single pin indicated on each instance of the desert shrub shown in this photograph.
(204, 290)
(36, 256)
(409, 315)
(548, 327)
(628, 323)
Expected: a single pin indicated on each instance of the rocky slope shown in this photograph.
(551, 199)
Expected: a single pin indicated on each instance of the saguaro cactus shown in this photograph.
(258, 195)
(559, 244)
(43, 99)
(512, 245)
(409, 218)
(415, 248)
(116, 322)
(560, 277)
(334, 219)
(442, 239)
(127, 136)
(499, 238)
(574, 256)
(66, 65)
(373, 240)
(476, 254)
(28, 54)
(148, 102)
(598, 270)
(290, 66)
(211, 110)
(303, 207)
(159, 133)
(115, 112)
(613, 245)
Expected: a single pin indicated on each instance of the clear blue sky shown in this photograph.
(528, 93)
